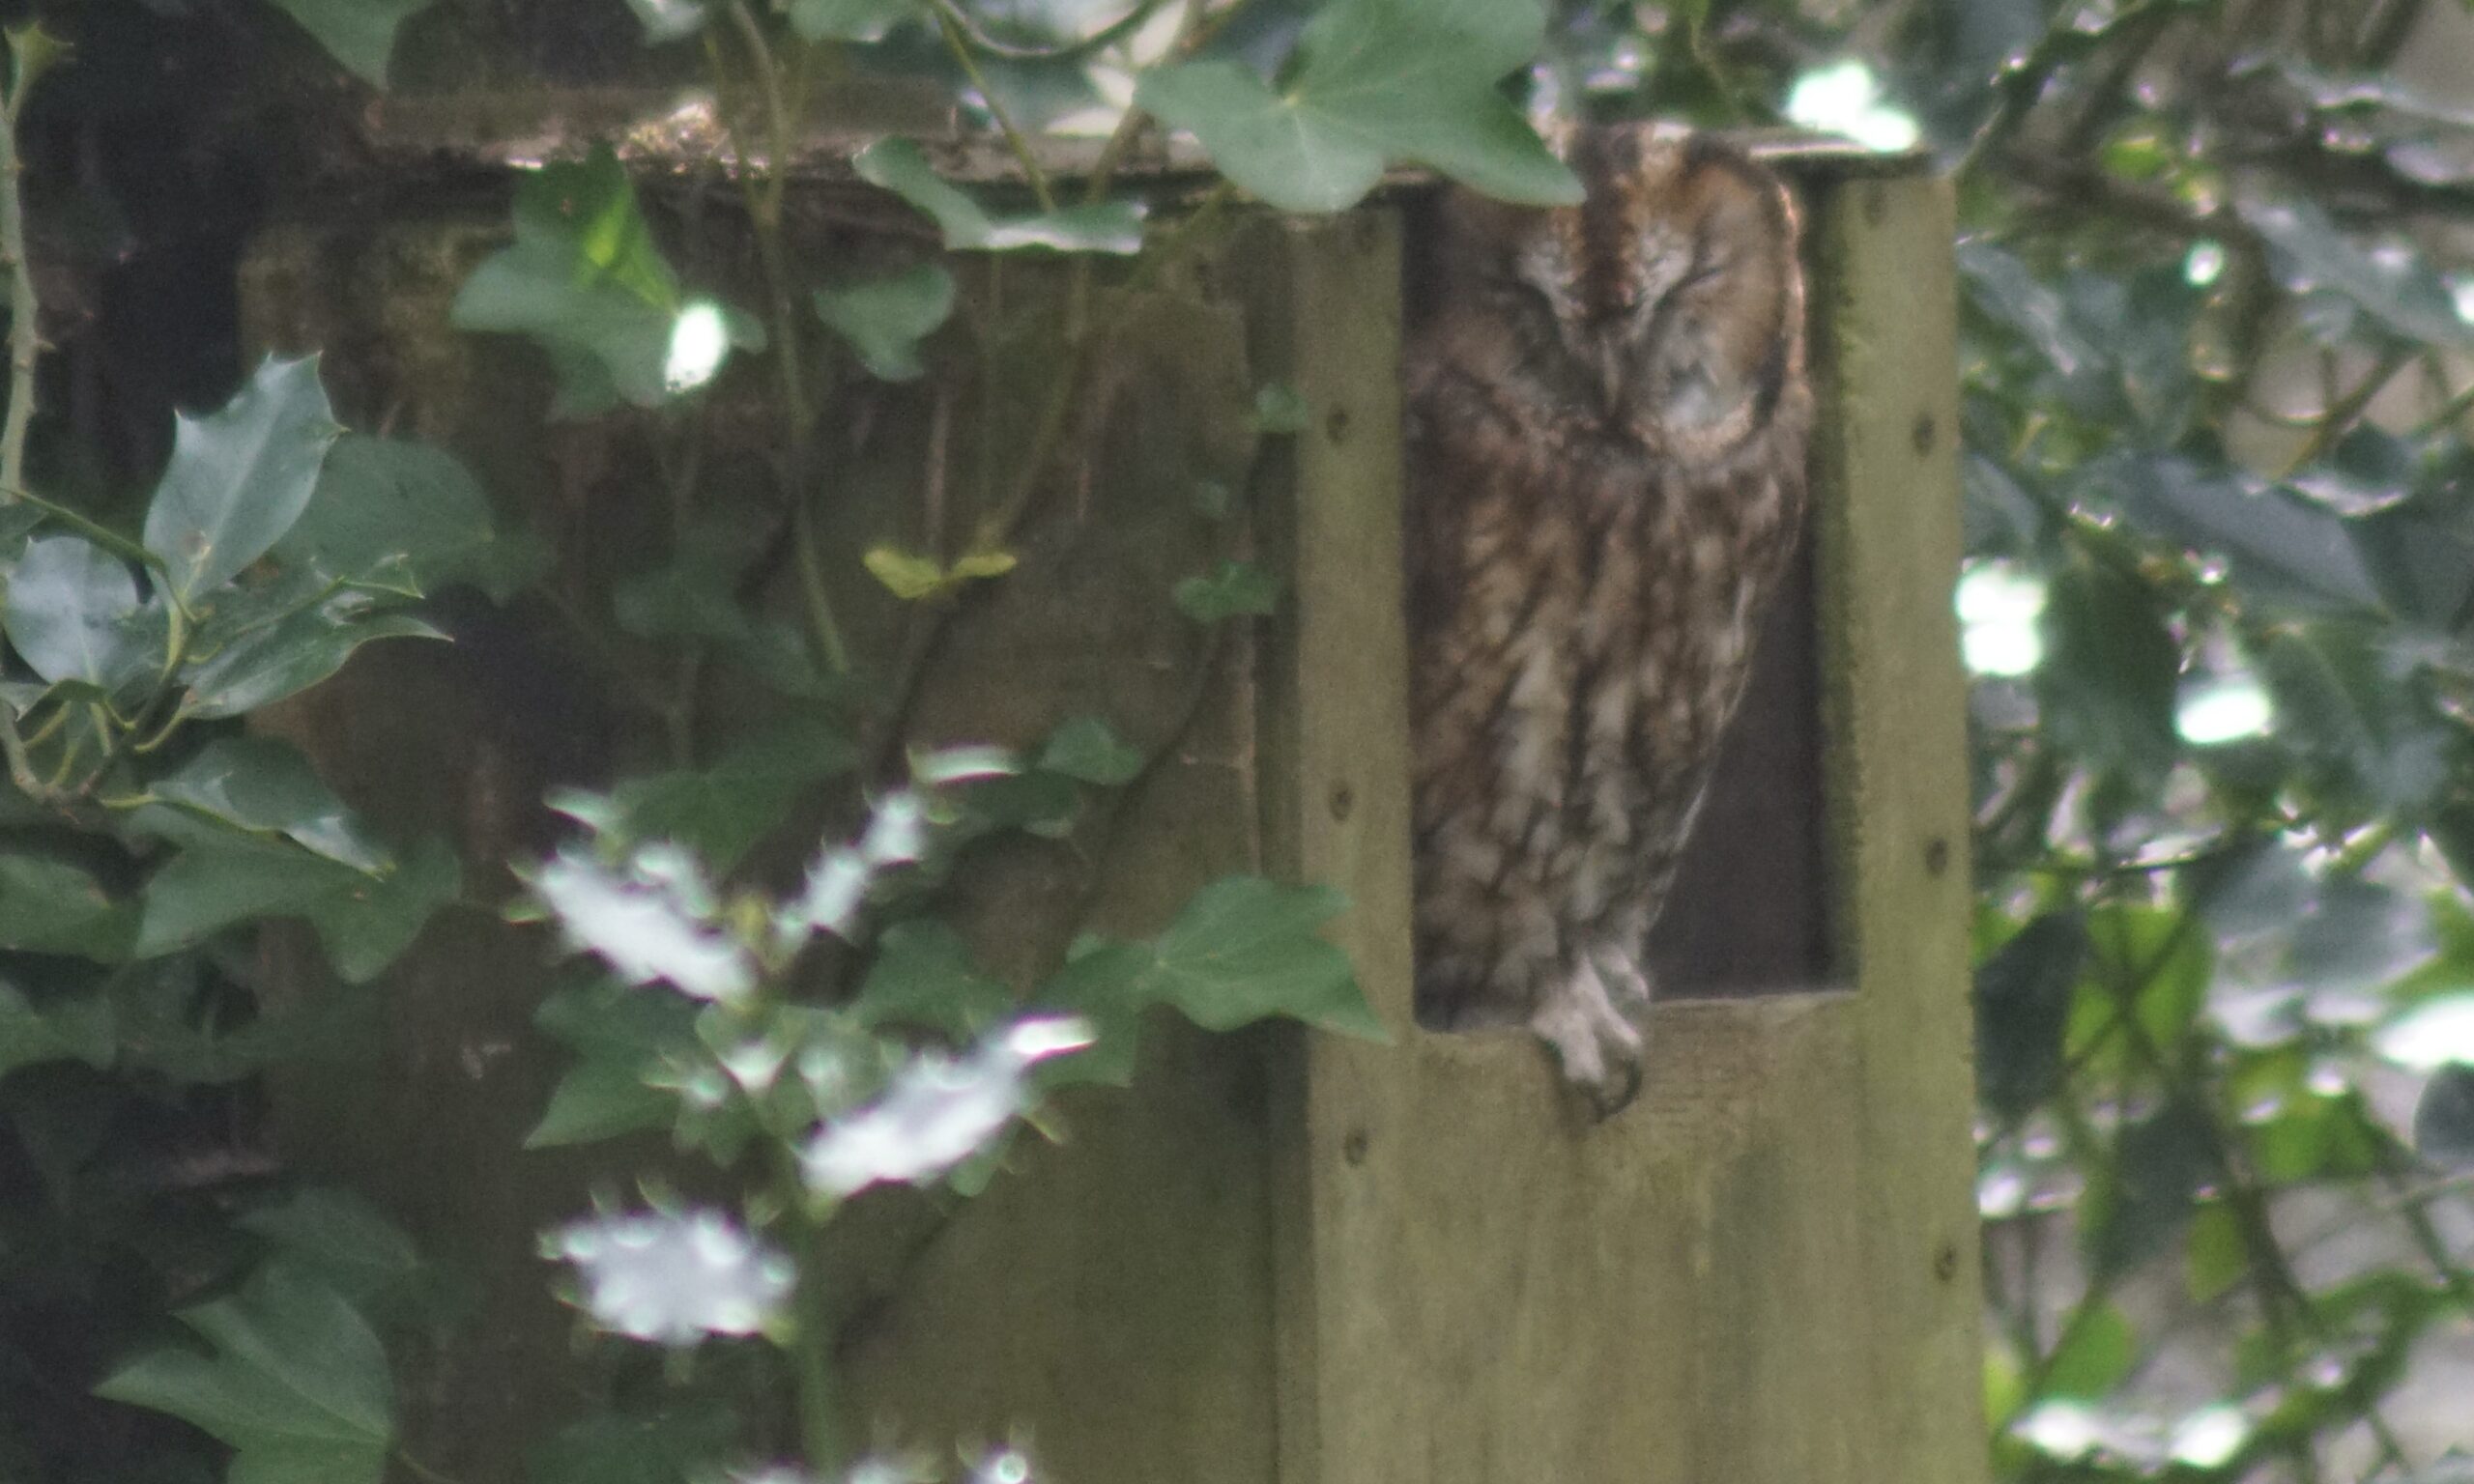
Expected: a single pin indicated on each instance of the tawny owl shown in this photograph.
(1608, 417)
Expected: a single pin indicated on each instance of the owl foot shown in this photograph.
(1598, 1044)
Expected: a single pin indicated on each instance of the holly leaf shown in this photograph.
(295, 1385)
(1104, 226)
(363, 922)
(885, 320)
(360, 34)
(239, 477)
(386, 505)
(74, 612)
(1374, 81)
(263, 786)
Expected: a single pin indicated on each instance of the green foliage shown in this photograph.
(360, 34)
(1374, 81)
(1114, 227)
(297, 1384)
(884, 319)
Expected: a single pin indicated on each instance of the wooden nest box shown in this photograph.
(1279, 1258)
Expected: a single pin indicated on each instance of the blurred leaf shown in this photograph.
(49, 904)
(597, 1101)
(2095, 1353)
(2444, 1116)
(849, 20)
(360, 34)
(265, 665)
(1279, 408)
(239, 477)
(73, 1028)
(625, 1038)
(2022, 997)
(2276, 545)
(2140, 1203)
(1103, 984)
(720, 811)
(2398, 289)
(885, 319)
(923, 975)
(1087, 749)
(670, 20)
(669, 1447)
(2112, 671)
(1104, 226)
(348, 1242)
(1374, 81)
(297, 1384)
(384, 504)
(2218, 1258)
(363, 922)
(1234, 589)
(913, 578)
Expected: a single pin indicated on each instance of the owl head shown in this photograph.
(1668, 305)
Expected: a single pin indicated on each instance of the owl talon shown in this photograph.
(1598, 1044)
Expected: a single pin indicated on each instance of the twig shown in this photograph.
(958, 41)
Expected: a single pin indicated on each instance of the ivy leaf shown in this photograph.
(2095, 1353)
(1234, 589)
(923, 976)
(360, 34)
(239, 477)
(263, 786)
(721, 811)
(624, 1038)
(2399, 290)
(1087, 749)
(1374, 81)
(2112, 672)
(584, 281)
(50, 906)
(1105, 226)
(382, 504)
(885, 319)
(670, 1447)
(76, 1028)
(289, 656)
(74, 612)
(342, 1239)
(913, 577)
(297, 1387)
(1245, 949)
(849, 20)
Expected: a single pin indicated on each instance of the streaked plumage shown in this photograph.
(1608, 418)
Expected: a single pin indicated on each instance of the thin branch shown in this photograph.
(958, 41)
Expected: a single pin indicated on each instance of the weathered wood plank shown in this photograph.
(1890, 548)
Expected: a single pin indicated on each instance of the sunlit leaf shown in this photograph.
(913, 577)
(297, 1384)
(2095, 1354)
(239, 477)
